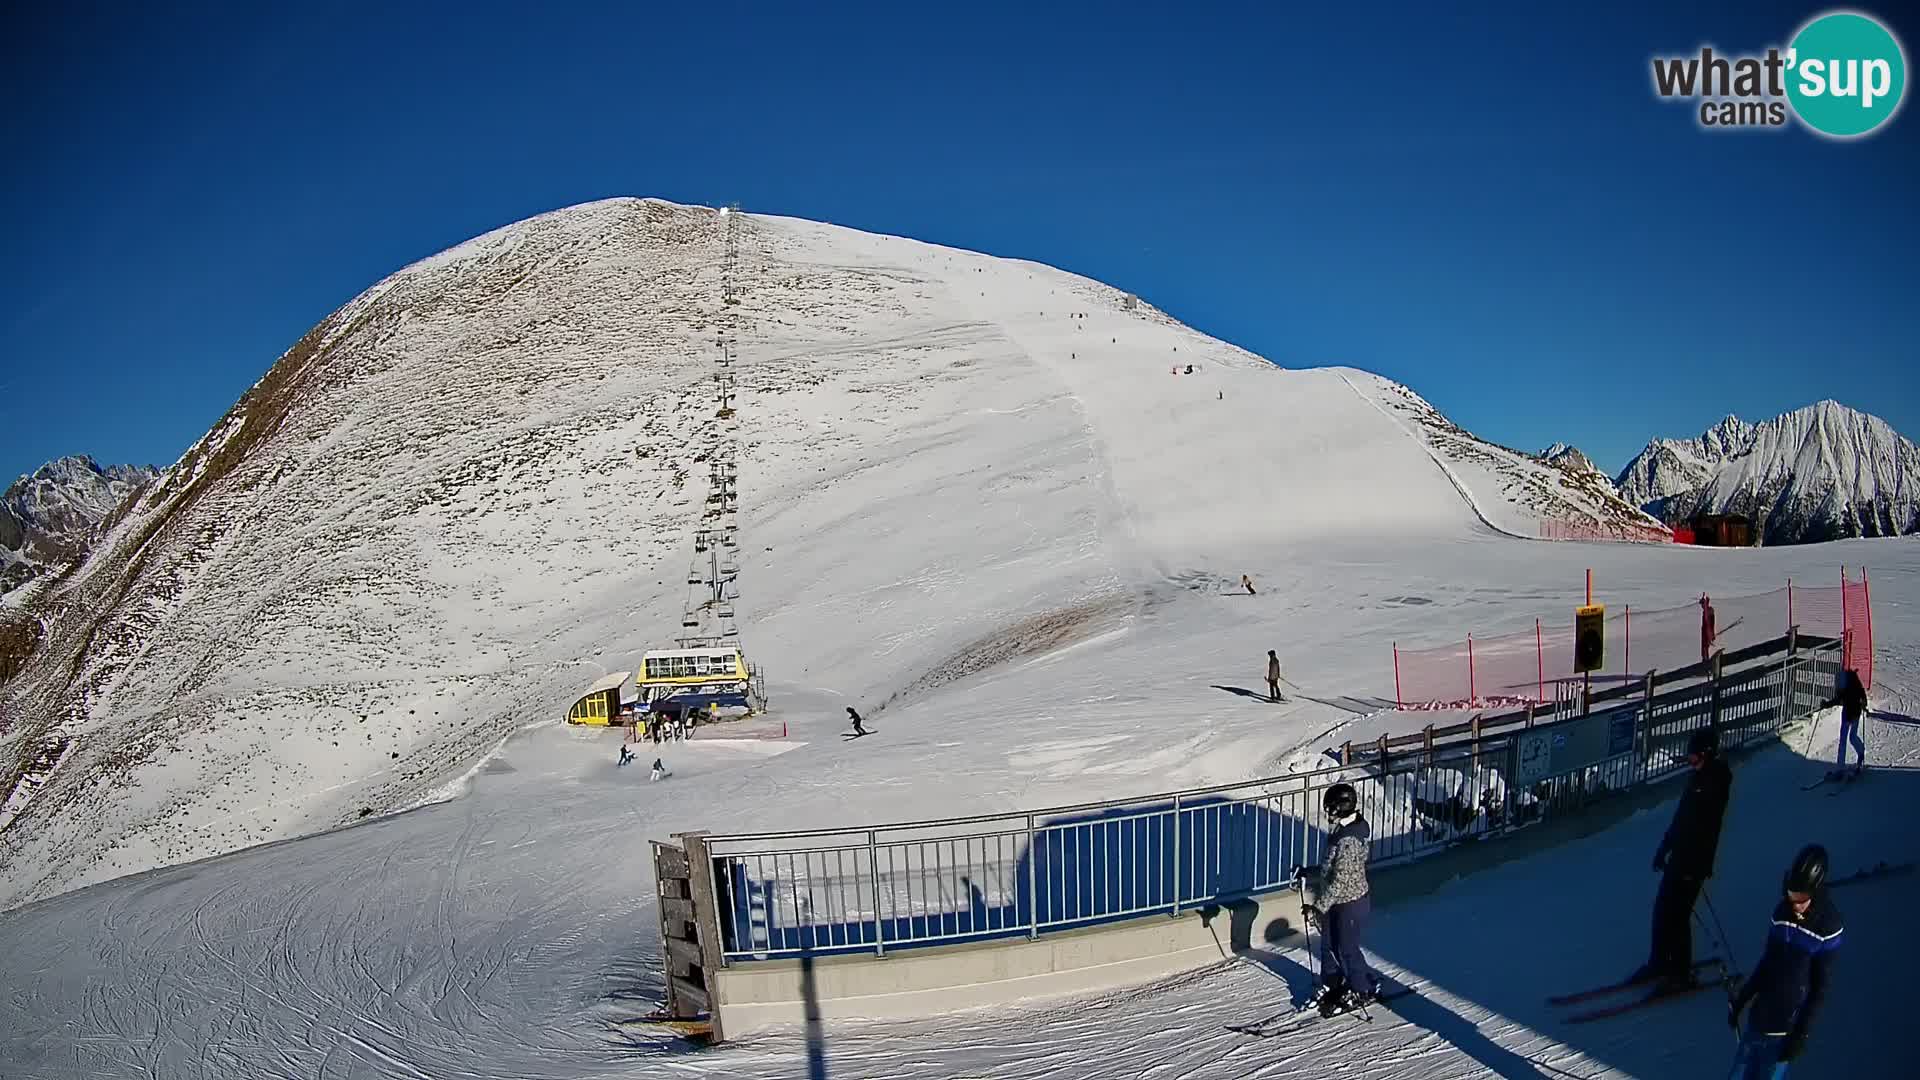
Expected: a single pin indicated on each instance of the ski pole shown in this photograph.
(1725, 943)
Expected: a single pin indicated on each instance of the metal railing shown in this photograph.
(1025, 874)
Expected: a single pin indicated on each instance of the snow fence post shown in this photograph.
(1626, 665)
(1540, 663)
(1644, 735)
(1846, 645)
(1866, 597)
(873, 868)
(1789, 675)
(1399, 701)
(1473, 694)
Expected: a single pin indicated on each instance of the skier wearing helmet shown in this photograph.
(1685, 860)
(1788, 985)
(1337, 897)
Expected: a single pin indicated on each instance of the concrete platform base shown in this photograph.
(931, 981)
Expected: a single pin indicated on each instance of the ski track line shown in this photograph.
(1427, 447)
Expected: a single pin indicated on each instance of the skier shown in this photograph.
(626, 746)
(1852, 699)
(1685, 859)
(1338, 900)
(1706, 628)
(1790, 982)
(857, 729)
(1273, 676)
(660, 770)
(1247, 584)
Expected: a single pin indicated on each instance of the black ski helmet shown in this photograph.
(1703, 741)
(1340, 800)
(1808, 872)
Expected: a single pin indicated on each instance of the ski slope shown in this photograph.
(476, 486)
(977, 505)
(508, 931)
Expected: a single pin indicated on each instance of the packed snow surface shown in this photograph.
(980, 505)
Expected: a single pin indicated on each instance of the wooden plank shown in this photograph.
(669, 860)
(693, 994)
(676, 910)
(687, 952)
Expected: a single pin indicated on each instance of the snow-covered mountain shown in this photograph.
(1822, 472)
(49, 517)
(1569, 457)
(481, 479)
(1672, 466)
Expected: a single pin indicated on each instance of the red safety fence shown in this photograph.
(1596, 530)
(1522, 668)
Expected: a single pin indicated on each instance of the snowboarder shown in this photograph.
(1706, 628)
(1338, 899)
(1790, 982)
(1247, 584)
(626, 753)
(1852, 699)
(1685, 860)
(660, 770)
(855, 717)
(1273, 676)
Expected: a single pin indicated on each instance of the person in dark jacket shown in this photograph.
(1789, 984)
(1339, 899)
(1685, 859)
(1852, 699)
(1707, 631)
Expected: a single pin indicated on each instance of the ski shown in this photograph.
(1653, 998)
(1620, 987)
(1305, 1014)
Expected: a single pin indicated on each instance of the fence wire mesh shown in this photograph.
(1524, 667)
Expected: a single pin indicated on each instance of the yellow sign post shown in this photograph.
(1590, 638)
(1589, 648)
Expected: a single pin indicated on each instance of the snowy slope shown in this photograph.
(476, 483)
(510, 932)
(1514, 492)
(49, 516)
(973, 491)
(1818, 473)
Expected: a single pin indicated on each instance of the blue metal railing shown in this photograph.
(876, 888)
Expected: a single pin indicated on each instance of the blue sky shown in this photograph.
(1492, 208)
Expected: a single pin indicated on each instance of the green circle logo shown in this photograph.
(1846, 74)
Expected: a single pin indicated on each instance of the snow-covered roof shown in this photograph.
(610, 681)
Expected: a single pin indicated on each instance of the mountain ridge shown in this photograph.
(1821, 472)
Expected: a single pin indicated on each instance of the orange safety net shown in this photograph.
(1524, 667)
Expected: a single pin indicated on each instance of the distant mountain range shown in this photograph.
(49, 517)
(1824, 472)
